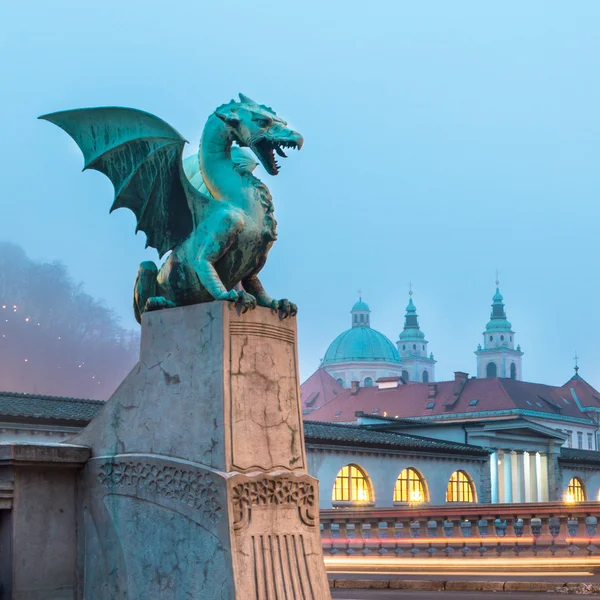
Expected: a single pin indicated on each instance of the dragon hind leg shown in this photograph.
(144, 293)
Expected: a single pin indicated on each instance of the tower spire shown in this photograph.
(412, 346)
(498, 356)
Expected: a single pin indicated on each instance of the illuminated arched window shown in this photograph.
(460, 488)
(410, 487)
(575, 491)
(368, 382)
(352, 485)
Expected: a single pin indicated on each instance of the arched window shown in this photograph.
(575, 491)
(340, 381)
(352, 485)
(460, 488)
(491, 338)
(491, 370)
(414, 346)
(501, 338)
(425, 376)
(403, 346)
(405, 375)
(410, 487)
(368, 382)
(513, 371)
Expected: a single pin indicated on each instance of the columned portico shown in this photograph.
(519, 466)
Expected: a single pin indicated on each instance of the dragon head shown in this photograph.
(258, 127)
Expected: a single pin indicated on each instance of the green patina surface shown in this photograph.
(211, 212)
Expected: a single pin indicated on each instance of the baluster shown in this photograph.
(336, 546)
(572, 531)
(365, 529)
(398, 535)
(500, 526)
(591, 527)
(554, 528)
(384, 535)
(482, 527)
(465, 530)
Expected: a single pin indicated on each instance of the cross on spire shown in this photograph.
(497, 280)
(360, 295)
(576, 359)
(410, 289)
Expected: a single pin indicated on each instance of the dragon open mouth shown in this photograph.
(265, 151)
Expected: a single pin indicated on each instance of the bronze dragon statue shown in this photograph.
(212, 213)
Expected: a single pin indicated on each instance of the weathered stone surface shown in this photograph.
(198, 485)
(362, 584)
(474, 586)
(530, 586)
(415, 584)
(38, 523)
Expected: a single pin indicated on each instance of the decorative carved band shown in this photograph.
(279, 490)
(262, 330)
(194, 488)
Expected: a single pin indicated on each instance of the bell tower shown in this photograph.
(417, 364)
(498, 356)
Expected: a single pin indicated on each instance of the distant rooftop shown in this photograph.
(55, 408)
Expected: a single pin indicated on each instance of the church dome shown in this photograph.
(360, 305)
(361, 344)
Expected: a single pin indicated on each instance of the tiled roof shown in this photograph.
(48, 407)
(318, 389)
(354, 435)
(590, 457)
(444, 399)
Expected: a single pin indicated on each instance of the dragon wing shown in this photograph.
(141, 155)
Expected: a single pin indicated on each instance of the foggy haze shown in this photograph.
(54, 338)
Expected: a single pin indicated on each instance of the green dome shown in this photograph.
(499, 325)
(360, 305)
(361, 344)
(411, 334)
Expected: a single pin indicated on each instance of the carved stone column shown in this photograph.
(198, 485)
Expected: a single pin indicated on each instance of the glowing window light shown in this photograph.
(460, 488)
(4, 306)
(410, 487)
(575, 491)
(27, 319)
(26, 360)
(351, 485)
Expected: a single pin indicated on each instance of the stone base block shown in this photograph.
(198, 485)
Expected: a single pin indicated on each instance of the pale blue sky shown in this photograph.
(443, 140)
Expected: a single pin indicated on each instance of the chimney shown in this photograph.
(460, 379)
(433, 390)
(355, 387)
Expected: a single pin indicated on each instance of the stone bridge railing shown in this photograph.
(463, 530)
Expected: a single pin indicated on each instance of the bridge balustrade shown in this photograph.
(469, 531)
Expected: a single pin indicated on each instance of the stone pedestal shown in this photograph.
(198, 486)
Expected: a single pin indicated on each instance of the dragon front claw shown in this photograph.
(285, 307)
(245, 300)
